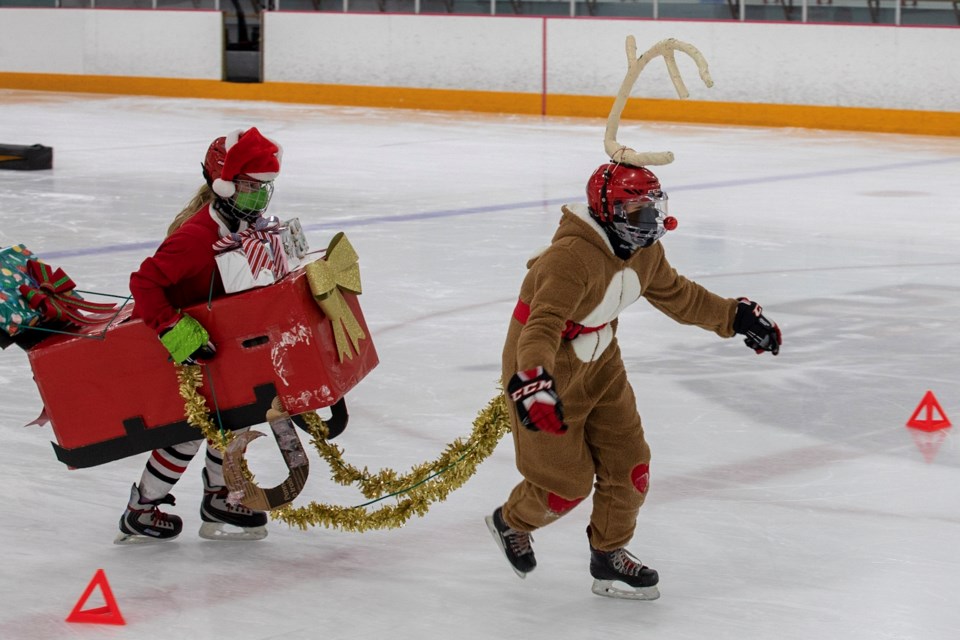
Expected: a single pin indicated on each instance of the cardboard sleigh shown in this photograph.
(112, 396)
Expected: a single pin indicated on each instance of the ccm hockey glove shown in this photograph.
(538, 405)
(188, 342)
(761, 333)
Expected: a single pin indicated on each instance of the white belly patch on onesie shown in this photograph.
(623, 290)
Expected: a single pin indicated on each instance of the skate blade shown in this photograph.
(617, 589)
(216, 531)
(499, 541)
(135, 538)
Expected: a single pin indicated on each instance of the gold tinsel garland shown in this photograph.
(425, 483)
(197, 414)
(195, 408)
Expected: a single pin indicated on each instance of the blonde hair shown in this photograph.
(201, 198)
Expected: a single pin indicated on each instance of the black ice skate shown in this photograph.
(144, 522)
(618, 574)
(216, 513)
(515, 544)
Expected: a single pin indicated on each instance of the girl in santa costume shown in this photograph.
(239, 170)
(573, 412)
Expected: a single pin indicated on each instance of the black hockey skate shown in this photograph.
(144, 522)
(619, 574)
(514, 544)
(216, 512)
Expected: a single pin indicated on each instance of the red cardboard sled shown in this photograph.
(111, 397)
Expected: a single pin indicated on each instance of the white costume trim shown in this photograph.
(624, 289)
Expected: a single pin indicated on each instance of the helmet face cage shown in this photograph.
(252, 196)
(249, 202)
(639, 221)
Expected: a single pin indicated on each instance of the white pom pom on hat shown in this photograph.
(247, 153)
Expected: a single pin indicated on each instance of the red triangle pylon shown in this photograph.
(109, 614)
(929, 406)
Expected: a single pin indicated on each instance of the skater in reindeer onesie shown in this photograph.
(574, 414)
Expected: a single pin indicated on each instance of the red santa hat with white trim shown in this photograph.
(248, 154)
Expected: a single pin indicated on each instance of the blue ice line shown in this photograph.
(110, 248)
(529, 204)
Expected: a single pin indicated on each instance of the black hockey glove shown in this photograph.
(538, 405)
(761, 333)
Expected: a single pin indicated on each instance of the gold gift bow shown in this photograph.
(338, 270)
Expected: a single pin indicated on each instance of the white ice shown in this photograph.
(788, 500)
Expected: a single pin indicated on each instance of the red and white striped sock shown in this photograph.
(164, 469)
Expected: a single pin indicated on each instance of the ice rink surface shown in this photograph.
(788, 498)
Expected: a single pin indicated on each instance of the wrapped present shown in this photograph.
(51, 292)
(252, 258)
(13, 266)
(237, 274)
(15, 313)
(33, 292)
(294, 242)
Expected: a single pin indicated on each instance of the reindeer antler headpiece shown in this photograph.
(620, 153)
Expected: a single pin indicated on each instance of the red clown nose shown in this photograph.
(670, 223)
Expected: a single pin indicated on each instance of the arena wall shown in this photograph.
(857, 77)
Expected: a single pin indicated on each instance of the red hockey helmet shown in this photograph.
(213, 161)
(614, 184)
(628, 201)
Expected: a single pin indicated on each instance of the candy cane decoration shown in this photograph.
(666, 48)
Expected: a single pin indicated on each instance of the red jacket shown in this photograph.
(180, 273)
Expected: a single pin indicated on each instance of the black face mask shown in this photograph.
(628, 232)
(641, 227)
(622, 248)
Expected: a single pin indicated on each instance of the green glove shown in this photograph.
(188, 342)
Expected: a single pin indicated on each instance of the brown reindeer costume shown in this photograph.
(573, 412)
(580, 278)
